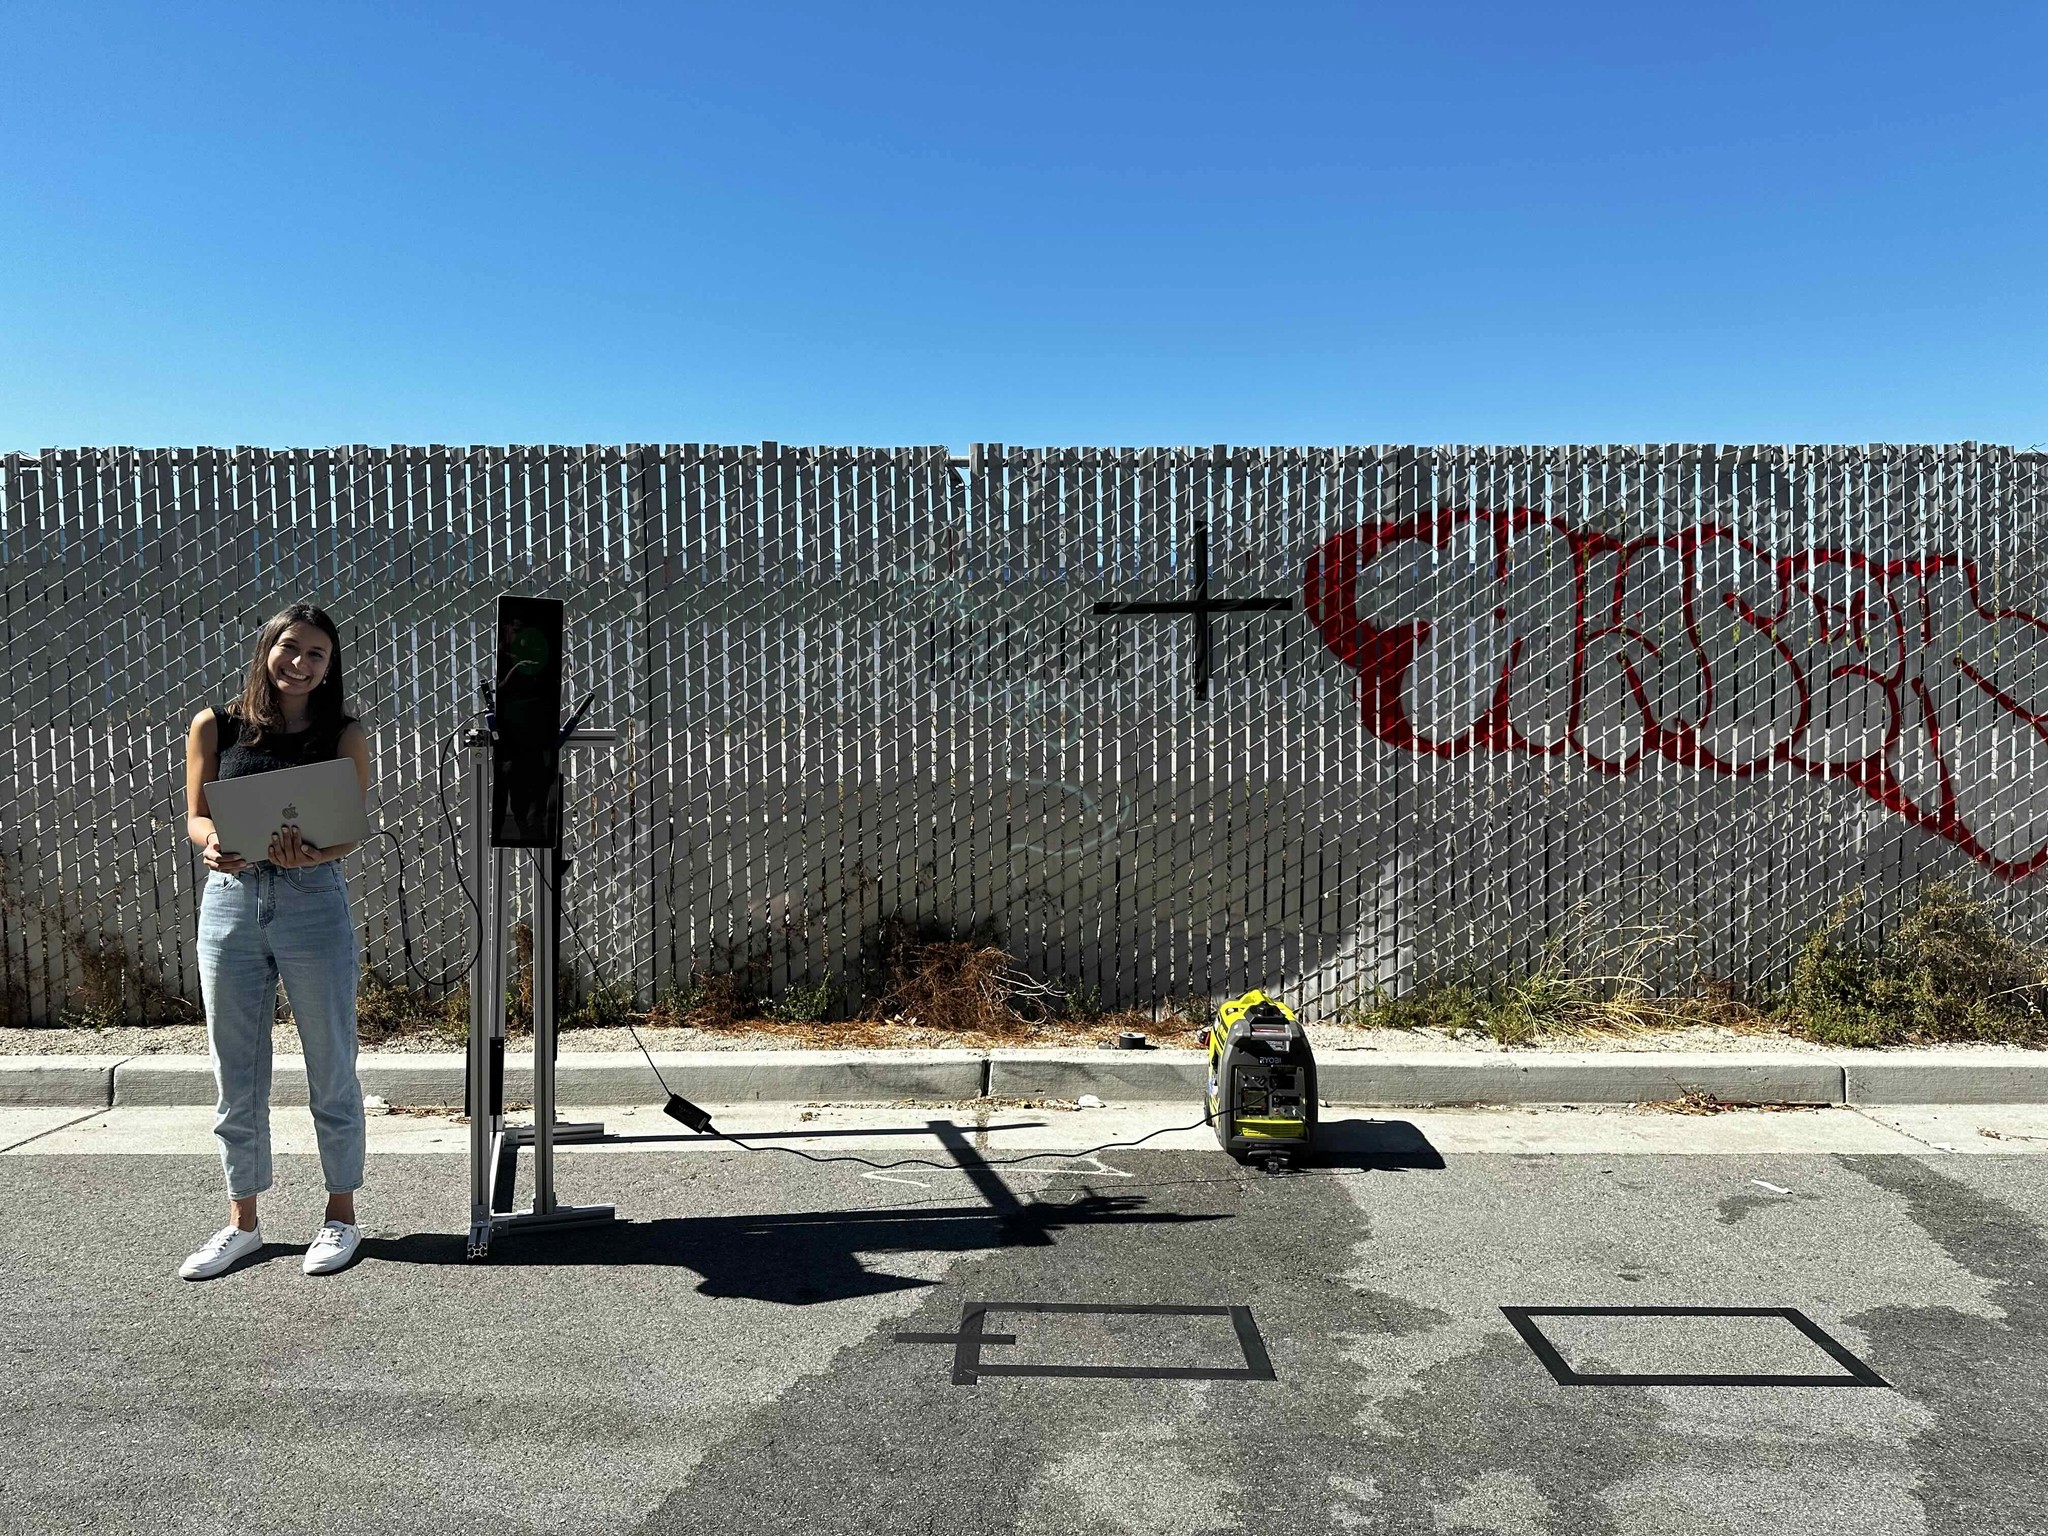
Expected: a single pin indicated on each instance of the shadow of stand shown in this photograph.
(804, 1258)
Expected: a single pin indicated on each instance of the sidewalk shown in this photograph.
(1364, 1078)
(1393, 1139)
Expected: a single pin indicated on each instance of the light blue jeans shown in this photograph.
(254, 927)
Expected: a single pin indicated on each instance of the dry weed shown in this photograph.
(1697, 1101)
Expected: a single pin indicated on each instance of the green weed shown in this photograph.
(1081, 1004)
(1588, 977)
(804, 1005)
(115, 990)
(608, 1005)
(709, 999)
(386, 1009)
(1944, 972)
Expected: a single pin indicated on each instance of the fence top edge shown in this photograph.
(1002, 450)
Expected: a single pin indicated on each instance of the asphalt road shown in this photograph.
(728, 1360)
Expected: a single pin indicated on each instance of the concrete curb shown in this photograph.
(1364, 1078)
(1634, 1077)
(607, 1077)
(82, 1080)
(1117, 1077)
(1420, 1078)
(189, 1080)
(744, 1077)
(1910, 1077)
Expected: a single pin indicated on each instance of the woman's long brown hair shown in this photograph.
(259, 708)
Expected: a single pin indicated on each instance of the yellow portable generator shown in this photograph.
(1262, 1080)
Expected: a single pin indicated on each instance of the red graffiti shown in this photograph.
(1515, 632)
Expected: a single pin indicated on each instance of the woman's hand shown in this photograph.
(289, 851)
(219, 858)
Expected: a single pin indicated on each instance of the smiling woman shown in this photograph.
(285, 916)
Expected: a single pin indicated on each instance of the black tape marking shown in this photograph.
(1859, 1374)
(969, 1368)
(1201, 605)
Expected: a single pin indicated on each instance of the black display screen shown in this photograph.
(526, 809)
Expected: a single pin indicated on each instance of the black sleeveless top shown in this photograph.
(276, 750)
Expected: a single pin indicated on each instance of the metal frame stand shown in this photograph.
(494, 1146)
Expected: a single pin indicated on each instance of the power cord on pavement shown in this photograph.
(699, 1120)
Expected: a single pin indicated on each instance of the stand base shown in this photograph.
(565, 1130)
(505, 1147)
(481, 1232)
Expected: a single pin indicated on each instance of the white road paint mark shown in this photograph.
(1773, 1188)
(889, 1178)
(1091, 1165)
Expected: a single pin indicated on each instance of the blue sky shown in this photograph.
(1048, 223)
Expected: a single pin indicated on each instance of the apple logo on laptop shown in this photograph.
(291, 813)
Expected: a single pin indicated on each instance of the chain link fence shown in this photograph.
(1163, 722)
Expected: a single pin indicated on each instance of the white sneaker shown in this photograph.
(333, 1246)
(221, 1250)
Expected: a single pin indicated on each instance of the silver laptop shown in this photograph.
(324, 799)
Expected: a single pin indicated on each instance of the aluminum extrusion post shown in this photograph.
(499, 879)
(485, 996)
(493, 1142)
(547, 940)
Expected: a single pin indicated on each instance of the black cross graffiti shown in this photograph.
(1201, 606)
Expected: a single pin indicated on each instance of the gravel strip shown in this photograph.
(190, 1040)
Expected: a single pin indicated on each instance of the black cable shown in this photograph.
(404, 931)
(679, 1107)
(925, 1162)
(533, 858)
(682, 1109)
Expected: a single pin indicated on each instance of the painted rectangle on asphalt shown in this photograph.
(1158, 1342)
(1666, 1346)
